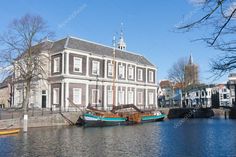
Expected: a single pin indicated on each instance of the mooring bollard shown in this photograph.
(25, 123)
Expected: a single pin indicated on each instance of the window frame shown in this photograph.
(56, 67)
(140, 71)
(151, 101)
(140, 97)
(130, 101)
(81, 66)
(110, 97)
(121, 71)
(80, 96)
(110, 65)
(151, 76)
(121, 97)
(131, 72)
(97, 94)
(56, 95)
(97, 68)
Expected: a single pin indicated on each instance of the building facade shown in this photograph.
(82, 71)
(221, 96)
(231, 84)
(6, 95)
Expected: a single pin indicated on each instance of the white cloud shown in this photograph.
(197, 2)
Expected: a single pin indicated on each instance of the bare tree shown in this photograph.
(218, 19)
(20, 51)
(176, 72)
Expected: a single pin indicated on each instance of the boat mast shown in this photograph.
(114, 69)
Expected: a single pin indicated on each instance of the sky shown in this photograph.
(149, 27)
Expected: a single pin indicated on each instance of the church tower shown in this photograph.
(191, 73)
(121, 43)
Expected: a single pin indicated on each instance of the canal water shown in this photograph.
(181, 138)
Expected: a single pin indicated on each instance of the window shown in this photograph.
(21, 93)
(95, 96)
(130, 97)
(151, 98)
(95, 67)
(121, 71)
(131, 73)
(56, 64)
(110, 97)
(77, 64)
(56, 95)
(110, 69)
(77, 95)
(140, 97)
(150, 76)
(121, 97)
(225, 96)
(140, 74)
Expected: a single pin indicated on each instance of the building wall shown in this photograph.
(4, 97)
(66, 79)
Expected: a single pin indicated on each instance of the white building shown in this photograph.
(82, 71)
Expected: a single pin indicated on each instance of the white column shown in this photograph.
(135, 97)
(67, 63)
(116, 95)
(117, 72)
(105, 69)
(146, 69)
(87, 68)
(126, 72)
(135, 71)
(146, 97)
(87, 95)
(105, 97)
(126, 95)
(49, 105)
(62, 63)
(62, 95)
(155, 98)
(66, 96)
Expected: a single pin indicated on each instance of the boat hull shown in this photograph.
(10, 131)
(154, 118)
(89, 120)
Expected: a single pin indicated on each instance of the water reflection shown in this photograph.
(205, 137)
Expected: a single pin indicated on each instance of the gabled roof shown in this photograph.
(90, 47)
(98, 49)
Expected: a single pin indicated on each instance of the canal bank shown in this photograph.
(57, 119)
(198, 113)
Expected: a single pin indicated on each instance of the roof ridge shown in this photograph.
(134, 53)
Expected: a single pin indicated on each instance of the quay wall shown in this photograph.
(198, 113)
(68, 118)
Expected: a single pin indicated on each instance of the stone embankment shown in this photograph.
(198, 113)
(67, 118)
